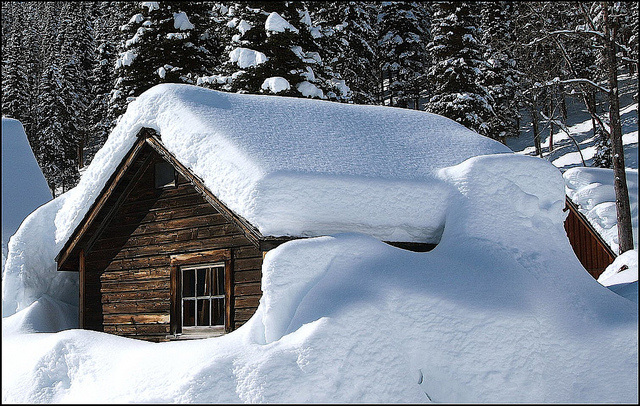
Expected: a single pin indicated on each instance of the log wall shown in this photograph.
(128, 269)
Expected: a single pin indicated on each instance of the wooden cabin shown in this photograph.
(590, 248)
(160, 257)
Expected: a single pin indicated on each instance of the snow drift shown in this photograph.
(24, 187)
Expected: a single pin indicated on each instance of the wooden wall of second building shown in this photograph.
(587, 247)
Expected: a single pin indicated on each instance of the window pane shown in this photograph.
(217, 312)
(203, 312)
(218, 282)
(188, 313)
(165, 174)
(204, 282)
(188, 283)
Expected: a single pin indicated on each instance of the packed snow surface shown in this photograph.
(500, 311)
(24, 187)
(621, 276)
(591, 189)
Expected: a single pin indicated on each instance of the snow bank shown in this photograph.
(24, 187)
(506, 315)
(45, 315)
(621, 276)
(30, 268)
(591, 189)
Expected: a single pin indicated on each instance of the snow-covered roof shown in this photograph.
(591, 189)
(294, 166)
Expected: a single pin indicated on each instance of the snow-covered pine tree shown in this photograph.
(52, 154)
(270, 49)
(106, 19)
(14, 69)
(348, 38)
(602, 157)
(456, 71)
(77, 59)
(168, 42)
(500, 74)
(402, 35)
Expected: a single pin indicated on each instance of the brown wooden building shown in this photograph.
(160, 257)
(592, 251)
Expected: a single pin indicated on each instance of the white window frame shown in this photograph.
(196, 328)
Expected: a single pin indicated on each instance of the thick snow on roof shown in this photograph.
(591, 189)
(297, 167)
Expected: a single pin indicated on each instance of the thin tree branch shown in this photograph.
(578, 81)
(564, 128)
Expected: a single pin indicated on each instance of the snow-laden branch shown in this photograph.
(578, 31)
(579, 81)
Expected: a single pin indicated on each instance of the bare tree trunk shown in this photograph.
(625, 231)
(534, 122)
(592, 102)
(551, 123)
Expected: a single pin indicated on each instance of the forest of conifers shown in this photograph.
(69, 69)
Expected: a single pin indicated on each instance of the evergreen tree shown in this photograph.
(500, 74)
(271, 49)
(403, 31)
(348, 37)
(107, 18)
(168, 42)
(456, 72)
(602, 157)
(14, 72)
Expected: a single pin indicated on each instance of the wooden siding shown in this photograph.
(592, 252)
(127, 265)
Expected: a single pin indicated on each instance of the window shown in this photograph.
(203, 296)
(165, 175)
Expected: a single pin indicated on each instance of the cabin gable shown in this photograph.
(130, 255)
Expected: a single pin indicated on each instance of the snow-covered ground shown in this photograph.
(500, 311)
